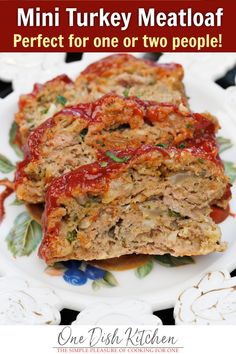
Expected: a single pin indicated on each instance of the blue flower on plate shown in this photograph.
(94, 273)
(77, 273)
(75, 276)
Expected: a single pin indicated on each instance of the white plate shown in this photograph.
(161, 287)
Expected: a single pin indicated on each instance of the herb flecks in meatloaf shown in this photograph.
(123, 74)
(74, 136)
(43, 102)
(123, 164)
(157, 201)
(126, 75)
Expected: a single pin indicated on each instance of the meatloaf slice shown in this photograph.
(123, 74)
(151, 200)
(73, 136)
(45, 100)
(126, 75)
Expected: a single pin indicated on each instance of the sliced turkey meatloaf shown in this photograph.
(74, 135)
(123, 74)
(126, 75)
(151, 200)
(44, 101)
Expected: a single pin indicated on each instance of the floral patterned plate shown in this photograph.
(156, 280)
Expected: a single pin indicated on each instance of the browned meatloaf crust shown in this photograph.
(73, 136)
(153, 201)
(122, 73)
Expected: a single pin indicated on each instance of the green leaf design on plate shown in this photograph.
(230, 170)
(170, 261)
(24, 236)
(12, 138)
(17, 202)
(110, 279)
(224, 143)
(5, 165)
(98, 284)
(144, 270)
